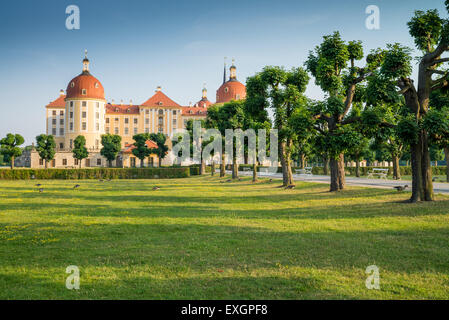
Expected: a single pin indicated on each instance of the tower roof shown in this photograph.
(85, 85)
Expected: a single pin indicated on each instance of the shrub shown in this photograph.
(95, 173)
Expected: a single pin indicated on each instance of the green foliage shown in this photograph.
(45, 146)
(397, 62)
(381, 90)
(111, 146)
(141, 151)
(436, 123)
(9, 146)
(408, 130)
(162, 149)
(80, 151)
(95, 173)
(425, 28)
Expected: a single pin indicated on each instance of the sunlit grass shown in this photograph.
(198, 238)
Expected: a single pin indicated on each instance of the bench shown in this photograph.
(306, 170)
(381, 173)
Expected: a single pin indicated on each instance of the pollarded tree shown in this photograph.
(46, 147)
(9, 147)
(216, 120)
(439, 102)
(111, 147)
(141, 150)
(162, 149)
(431, 35)
(282, 91)
(333, 64)
(80, 151)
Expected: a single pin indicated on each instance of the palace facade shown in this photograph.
(83, 110)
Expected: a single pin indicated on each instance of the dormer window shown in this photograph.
(226, 89)
(83, 92)
(160, 103)
(96, 84)
(116, 109)
(128, 110)
(161, 111)
(72, 84)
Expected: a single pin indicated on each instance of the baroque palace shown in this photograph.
(83, 110)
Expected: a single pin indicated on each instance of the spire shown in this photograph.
(224, 71)
(85, 63)
(232, 69)
(204, 96)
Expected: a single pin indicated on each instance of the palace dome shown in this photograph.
(231, 90)
(85, 85)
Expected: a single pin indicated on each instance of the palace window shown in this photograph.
(84, 126)
(116, 119)
(97, 115)
(61, 145)
(71, 103)
(107, 120)
(147, 121)
(174, 112)
(135, 120)
(84, 103)
(116, 130)
(135, 130)
(71, 143)
(76, 162)
(61, 121)
(126, 131)
(61, 113)
(147, 130)
(71, 115)
(97, 143)
(107, 129)
(53, 121)
(41, 162)
(161, 112)
(147, 111)
(174, 122)
(126, 120)
(53, 131)
(84, 114)
(161, 121)
(161, 130)
(64, 162)
(83, 92)
(54, 112)
(71, 126)
(97, 126)
(61, 131)
(98, 104)
(98, 162)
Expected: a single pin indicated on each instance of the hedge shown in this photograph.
(95, 173)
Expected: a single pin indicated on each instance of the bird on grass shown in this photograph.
(229, 180)
(76, 186)
(41, 190)
(292, 186)
(156, 188)
(101, 180)
(271, 180)
(37, 184)
(400, 188)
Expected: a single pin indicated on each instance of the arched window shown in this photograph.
(161, 112)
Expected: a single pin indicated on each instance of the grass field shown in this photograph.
(197, 238)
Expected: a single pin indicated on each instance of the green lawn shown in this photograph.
(197, 238)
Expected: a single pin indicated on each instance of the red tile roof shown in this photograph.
(58, 103)
(229, 90)
(129, 147)
(194, 111)
(159, 99)
(85, 81)
(121, 109)
(203, 103)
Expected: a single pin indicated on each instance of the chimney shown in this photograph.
(130, 102)
(190, 104)
(121, 102)
(112, 101)
(61, 92)
(159, 88)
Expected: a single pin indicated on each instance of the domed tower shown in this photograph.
(85, 109)
(204, 103)
(231, 89)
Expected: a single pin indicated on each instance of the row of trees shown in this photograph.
(46, 147)
(373, 103)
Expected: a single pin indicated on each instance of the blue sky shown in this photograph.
(135, 46)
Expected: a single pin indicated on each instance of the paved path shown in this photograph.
(353, 181)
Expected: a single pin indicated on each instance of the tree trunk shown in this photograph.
(12, 162)
(212, 168)
(80, 163)
(110, 163)
(337, 167)
(235, 168)
(302, 161)
(202, 167)
(46, 164)
(396, 170)
(357, 167)
(255, 171)
(222, 165)
(160, 162)
(289, 163)
(416, 158)
(142, 162)
(426, 169)
(282, 147)
(446, 157)
(325, 165)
